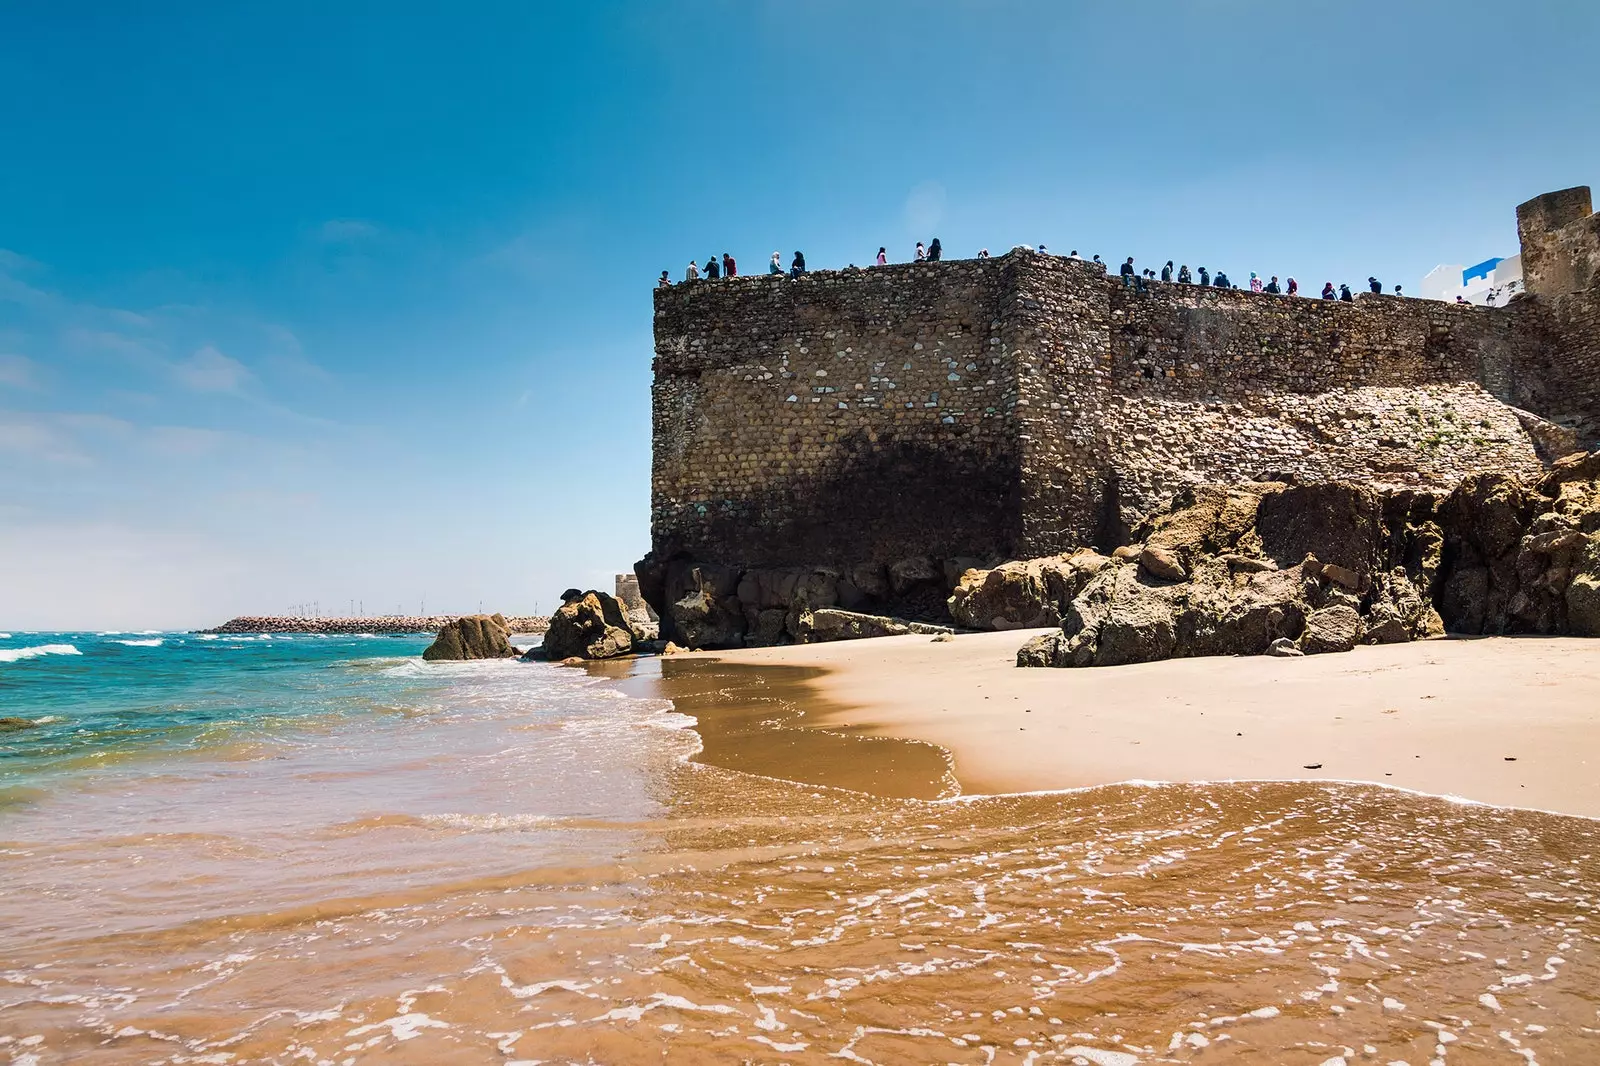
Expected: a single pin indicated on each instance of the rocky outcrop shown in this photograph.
(705, 605)
(1022, 595)
(589, 625)
(1225, 569)
(477, 636)
(1311, 569)
(1515, 559)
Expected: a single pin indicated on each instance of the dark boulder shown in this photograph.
(1338, 522)
(590, 625)
(702, 606)
(477, 636)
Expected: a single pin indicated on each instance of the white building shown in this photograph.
(1493, 281)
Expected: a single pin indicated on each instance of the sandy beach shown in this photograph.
(1505, 720)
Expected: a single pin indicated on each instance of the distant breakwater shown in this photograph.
(385, 624)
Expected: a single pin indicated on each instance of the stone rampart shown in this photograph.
(1560, 236)
(1027, 404)
(838, 416)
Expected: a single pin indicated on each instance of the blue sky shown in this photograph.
(301, 307)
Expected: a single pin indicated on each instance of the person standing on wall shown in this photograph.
(883, 257)
(797, 267)
(935, 251)
(776, 266)
(1166, 271)
(922, 253)
(1205, 276)
(1184, 277)
(730, 269)
(713, 270)
(663, 282)
(693, 273)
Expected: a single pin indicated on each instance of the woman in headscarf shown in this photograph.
(1327, 291)
(1255, 282)
(883, 256)
(693, 273)
(776, 266)
(1294, 287)
(797, 267)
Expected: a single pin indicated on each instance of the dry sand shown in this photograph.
(1502, 720)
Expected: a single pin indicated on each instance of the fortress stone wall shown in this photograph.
(1027, 404)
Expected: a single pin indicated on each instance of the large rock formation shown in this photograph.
(705, 605)
(589, 625)
(476, 636)
(1233, 570)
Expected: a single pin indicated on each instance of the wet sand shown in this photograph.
(1503, 720)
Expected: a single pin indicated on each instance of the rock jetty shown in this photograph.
(393, 624)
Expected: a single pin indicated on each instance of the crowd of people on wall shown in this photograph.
(1132, 277)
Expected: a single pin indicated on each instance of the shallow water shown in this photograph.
(358, 858)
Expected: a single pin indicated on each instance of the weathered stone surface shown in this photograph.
(1583, 606)
(1163, 563)
(477, 636)
(589, 625)
(830, 623)
(702, 607)
(1332, 629)
(1047, 649)
(1011, 596)
(11, 724)
(1204, 520)
(1338, 523)
(907, 575)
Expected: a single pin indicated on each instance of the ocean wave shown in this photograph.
(152, 643)
(5, 636)
(11, 655)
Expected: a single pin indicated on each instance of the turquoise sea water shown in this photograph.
(96, 699)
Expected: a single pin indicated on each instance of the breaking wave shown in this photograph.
(11, 655)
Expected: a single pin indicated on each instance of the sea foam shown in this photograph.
(11, 655)
(155, 643)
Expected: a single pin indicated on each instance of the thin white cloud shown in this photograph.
(209, 370)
